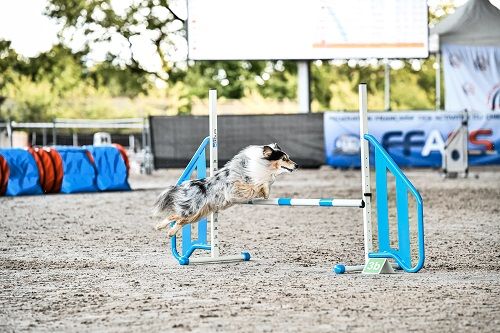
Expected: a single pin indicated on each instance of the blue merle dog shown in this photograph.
(248, 175)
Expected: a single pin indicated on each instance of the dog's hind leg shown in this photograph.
(182, 221)
(177, 226)
(179, 223)
(166, 222)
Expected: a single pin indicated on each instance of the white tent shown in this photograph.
(477, 22)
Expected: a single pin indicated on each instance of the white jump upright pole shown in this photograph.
(366, 193)
(215, 256)
(365, 170)
(214, 166)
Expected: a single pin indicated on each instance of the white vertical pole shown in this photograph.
(304, 86)
(387, 86)
(214, 166)
(365, 170)
(10, 133)
(438, 80)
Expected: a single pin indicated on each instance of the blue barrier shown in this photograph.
(402, 254)
(80, 173)
(112, 173)
(24, 177)
(197, 163)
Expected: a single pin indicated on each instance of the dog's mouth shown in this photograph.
(287, 169)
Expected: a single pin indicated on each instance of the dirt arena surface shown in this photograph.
(93, 262)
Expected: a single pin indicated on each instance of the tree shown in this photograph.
(155, 20)
(10, 63)
(100, 23)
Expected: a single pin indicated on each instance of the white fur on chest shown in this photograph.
(258, 168)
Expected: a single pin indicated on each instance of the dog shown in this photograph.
(248, 175)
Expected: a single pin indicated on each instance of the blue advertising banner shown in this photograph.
(413, 139)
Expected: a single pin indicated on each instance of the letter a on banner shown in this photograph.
(434, 142)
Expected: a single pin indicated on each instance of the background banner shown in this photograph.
(472, 78)
(412, 138)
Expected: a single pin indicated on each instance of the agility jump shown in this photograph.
(402, 255)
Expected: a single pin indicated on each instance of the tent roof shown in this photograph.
(477, 22)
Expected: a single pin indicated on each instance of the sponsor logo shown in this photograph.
(347, 144)
(434, 141)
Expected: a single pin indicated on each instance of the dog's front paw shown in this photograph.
(264, 191)
(171, 233)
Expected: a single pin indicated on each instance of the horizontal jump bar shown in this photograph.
(244, 256)
(309, 202)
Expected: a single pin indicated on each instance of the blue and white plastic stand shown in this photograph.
(383, 163)
(198, 163)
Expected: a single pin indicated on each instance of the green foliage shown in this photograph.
(335, 85)
(57, 83)
(236, 79)
(33, 100)
(119, 81)
(278, 80)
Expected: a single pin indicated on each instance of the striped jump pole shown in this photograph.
(310, 202)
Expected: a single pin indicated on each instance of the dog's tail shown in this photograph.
(164, 201)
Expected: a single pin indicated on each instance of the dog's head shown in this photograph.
(278, 159)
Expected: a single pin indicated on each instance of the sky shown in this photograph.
(23, 23)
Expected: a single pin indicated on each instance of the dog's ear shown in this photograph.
(277, 147)
(267, 151)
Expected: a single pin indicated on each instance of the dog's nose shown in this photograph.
(295, 165)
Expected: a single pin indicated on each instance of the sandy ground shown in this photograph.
(93, 262)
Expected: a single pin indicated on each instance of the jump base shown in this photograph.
(341, 269)
(244, 256)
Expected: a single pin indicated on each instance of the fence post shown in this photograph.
(9, 133)
(75, 138)
(44, 136)
(54, 134)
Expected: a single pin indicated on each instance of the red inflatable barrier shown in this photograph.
(123, 152)
(4, 175)
(58, 169)
(49, 172)
(39, 163)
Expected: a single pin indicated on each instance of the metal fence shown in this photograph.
(74, 125)
(56, 133)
